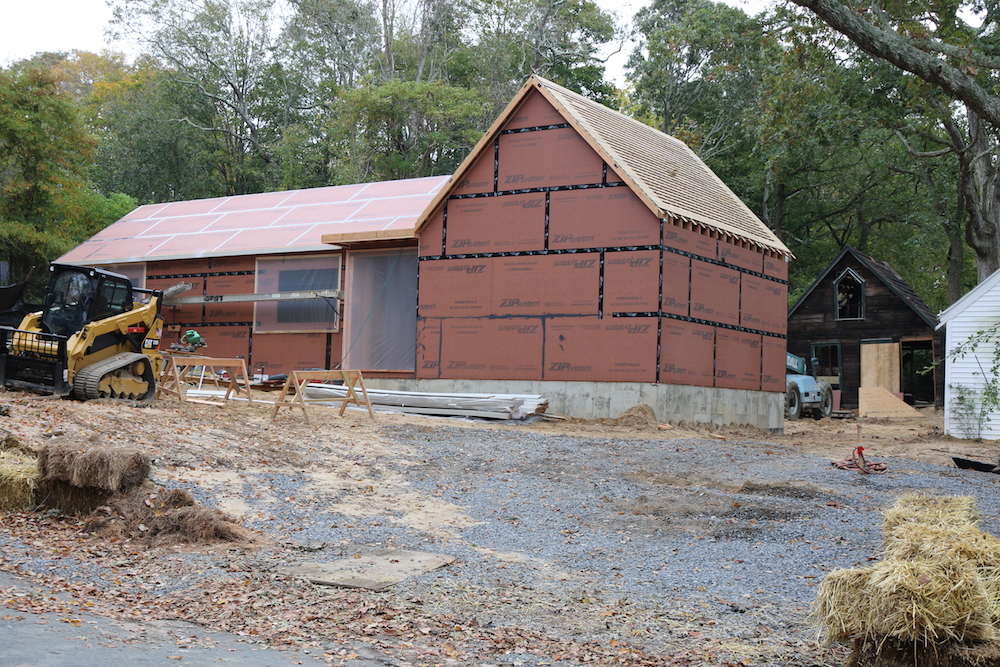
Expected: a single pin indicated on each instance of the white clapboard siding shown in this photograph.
(976, 311)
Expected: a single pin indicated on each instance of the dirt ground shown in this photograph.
(213, 446)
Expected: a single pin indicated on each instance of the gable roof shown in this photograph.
(257, 224)
(883, 272)
(661, 170)
(969, 298)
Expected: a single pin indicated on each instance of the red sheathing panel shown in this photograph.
(619, 349)
(600, 218)
(614, 176)
(428, 348)
(190, 314)
(492, 349)
(687, 353)
(455, 287)
(715, 293)
(690, 241)
(632, 281)
(229, 312)
(226, 342)
(170, 268)
(764, 305)
(772, 364)
(776, 267)
(479, 178)
(286, 352)
(547, 158)
(737, 359)
(227, 264)
(676, 283)
(742, 257)
(432, 235)
(496, 224)
(547, 284)
(535, 111)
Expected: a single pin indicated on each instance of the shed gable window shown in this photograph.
(849, 290)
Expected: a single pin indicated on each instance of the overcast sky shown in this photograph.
(31, 26)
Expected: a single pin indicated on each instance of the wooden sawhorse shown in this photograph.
(298, 379)
(176, 372)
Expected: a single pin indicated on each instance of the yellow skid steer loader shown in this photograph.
(92, 338)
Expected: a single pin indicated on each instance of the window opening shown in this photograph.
(850, 293)
(828, 366)
(297, 274)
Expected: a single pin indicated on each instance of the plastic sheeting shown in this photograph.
(381, 313)
(293, 274)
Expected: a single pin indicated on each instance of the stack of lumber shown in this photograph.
(487, 406)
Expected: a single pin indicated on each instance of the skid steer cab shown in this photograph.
(96, 337)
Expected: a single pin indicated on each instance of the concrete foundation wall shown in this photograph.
(593, 400)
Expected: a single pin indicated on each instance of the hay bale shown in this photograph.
(71, 499)
(931, 510)
(919, 601)
(841, 594)
(167, 516)
(12, 444)
(111, 469)
(18, 480)
(929, 601)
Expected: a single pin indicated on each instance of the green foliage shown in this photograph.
(402, 129)
(44, 146)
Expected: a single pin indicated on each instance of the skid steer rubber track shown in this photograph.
(128, 375)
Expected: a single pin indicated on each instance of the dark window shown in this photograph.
(311, 311)
(849, 290)
(114, 297)
(827, 356)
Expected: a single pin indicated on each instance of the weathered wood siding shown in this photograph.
(887, 318)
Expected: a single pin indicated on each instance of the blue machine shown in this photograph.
(803, 392)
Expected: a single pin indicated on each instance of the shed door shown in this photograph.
(880, 366)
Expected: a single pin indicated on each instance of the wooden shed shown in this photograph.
(583, 255)
(866, 327)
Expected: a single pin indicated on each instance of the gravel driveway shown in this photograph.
(701, 550)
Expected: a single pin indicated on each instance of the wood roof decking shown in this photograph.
(661, 170)
(257, 224)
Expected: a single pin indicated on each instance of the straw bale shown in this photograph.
(841, 595)
(11, 443)
(112, 469)
(18, 480)
(167, 516)
(71, 499)
(921, 601)
(932, 510)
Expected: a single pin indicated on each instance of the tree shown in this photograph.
(47, 203)
(402, 129)
(696, 71)
(225, 51)
(938, 44)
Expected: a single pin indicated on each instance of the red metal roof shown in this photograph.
(266, 223)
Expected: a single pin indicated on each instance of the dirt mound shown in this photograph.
(638, 417)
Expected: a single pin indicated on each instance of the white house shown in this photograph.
(966, 375)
